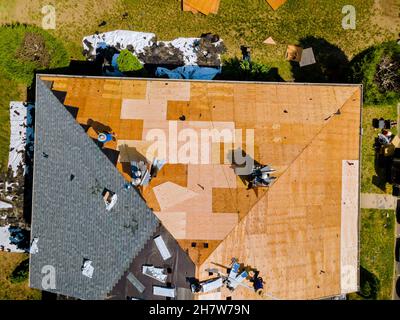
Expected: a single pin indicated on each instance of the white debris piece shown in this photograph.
(21, 127)
(235, 282)
(135, 282)
(5, 205)
(162, 248)
(87, 269)
(5, 240)
(34, 246)
(164, 291)
(211, 285)
(155, 273)
(307, 57)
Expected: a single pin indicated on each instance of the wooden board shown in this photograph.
(204, 6)
(275, 4)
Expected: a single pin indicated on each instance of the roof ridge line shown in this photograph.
(327, 122)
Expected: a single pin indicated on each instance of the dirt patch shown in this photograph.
(33, 49)
(387, 14)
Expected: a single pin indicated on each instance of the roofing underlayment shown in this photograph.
(301, 233)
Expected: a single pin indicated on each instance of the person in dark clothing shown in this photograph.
(246, 53)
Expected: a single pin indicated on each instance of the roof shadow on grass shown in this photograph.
(332, 64)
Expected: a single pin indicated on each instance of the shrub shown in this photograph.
(235, 69)
(127, 62)
(21, 272)
(25, 49)
(378, 69)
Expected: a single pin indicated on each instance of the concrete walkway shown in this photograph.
(378, 201)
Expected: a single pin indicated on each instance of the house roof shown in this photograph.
(302, 232)
(68, 212)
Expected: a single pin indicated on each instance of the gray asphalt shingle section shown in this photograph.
(69, 217)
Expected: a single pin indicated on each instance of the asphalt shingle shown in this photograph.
(69, 216)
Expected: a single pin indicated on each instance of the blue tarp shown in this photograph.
(189, 72)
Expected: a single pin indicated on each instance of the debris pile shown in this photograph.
(203, 51)
(14, 179)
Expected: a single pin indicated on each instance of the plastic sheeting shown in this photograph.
(189, 72)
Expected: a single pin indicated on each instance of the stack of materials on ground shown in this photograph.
(201, 6)
(21, 138)
(19, 164)
(304, 57)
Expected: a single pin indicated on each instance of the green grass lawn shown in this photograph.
(376, 254)
(14, 291)
(368, 152)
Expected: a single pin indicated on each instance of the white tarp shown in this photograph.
(121, 39)
(21, 128)
(5, 240)
(5, 205)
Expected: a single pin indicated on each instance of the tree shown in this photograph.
(378, 69)
(127, 62)
(235, 69)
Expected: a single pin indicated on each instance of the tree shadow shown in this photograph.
(21, 272)
(332, 64)
(369, 284)
(234, 70)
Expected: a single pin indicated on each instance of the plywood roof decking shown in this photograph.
(291, 232)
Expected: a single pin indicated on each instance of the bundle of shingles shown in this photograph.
(203, 6)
